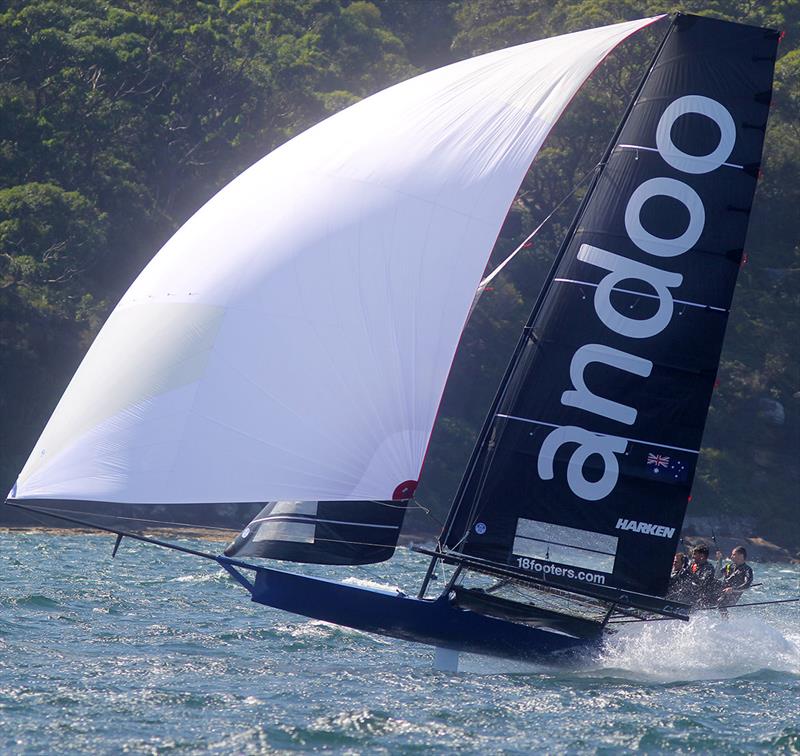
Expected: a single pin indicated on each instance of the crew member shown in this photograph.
(701, 587)
(678, 577)
(737, 577)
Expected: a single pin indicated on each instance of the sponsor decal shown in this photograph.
(646, 528)
(661, 282)
(547, 569)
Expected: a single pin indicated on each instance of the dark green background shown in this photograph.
(119, 119)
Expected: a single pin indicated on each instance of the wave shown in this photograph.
(36, 600)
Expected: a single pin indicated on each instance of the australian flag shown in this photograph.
(668, 467)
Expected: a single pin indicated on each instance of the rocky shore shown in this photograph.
(758, 549)
(731, 532)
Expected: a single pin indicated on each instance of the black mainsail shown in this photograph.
(587, 460)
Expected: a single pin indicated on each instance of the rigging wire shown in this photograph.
(126, 534)
(363, 543)
(42, 522)
(33, 512)
(412, 503)
(488, 279)
(46, 511)
(427, 512)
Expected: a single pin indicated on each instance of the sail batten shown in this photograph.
(292, 341)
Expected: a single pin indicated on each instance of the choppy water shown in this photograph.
(155, 652)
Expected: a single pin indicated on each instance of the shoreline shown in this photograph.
(198, 534)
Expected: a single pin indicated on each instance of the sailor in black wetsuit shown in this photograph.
(678, 578)
(737, 577)
(694, 583)
(701, 587)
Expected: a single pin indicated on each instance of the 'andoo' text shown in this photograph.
(662, 282)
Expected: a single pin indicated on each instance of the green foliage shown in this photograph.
(119, 118)
(49, 241)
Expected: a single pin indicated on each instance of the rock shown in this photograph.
(758, 549)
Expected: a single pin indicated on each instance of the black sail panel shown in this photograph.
(323, 532)
(588, 465)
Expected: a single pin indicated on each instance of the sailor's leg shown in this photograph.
(445, 660)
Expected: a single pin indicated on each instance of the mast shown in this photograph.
(626, 251)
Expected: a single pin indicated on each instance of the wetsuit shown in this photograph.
(694, 584)
(678, 582)
(701, 587)
(738, 577)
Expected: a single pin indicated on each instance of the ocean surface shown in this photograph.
(157, 652)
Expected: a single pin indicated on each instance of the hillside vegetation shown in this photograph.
(119, 119)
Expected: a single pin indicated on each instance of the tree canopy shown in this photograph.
(119, 118)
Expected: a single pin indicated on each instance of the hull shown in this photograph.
(433, 622)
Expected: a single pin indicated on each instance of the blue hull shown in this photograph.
(434, 622)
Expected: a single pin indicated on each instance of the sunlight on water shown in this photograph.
(150, 652)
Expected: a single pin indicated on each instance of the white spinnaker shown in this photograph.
(293, 339)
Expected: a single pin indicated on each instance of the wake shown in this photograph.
(707, 647)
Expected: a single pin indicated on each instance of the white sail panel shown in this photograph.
(293, 339)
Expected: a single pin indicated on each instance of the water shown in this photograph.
(155, 652)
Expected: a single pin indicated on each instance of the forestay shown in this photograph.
(291, 342)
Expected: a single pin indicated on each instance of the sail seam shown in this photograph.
(629, 440)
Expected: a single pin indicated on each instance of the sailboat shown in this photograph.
(290, 345)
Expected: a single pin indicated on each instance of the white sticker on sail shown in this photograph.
(295, 532)
(564, 545)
